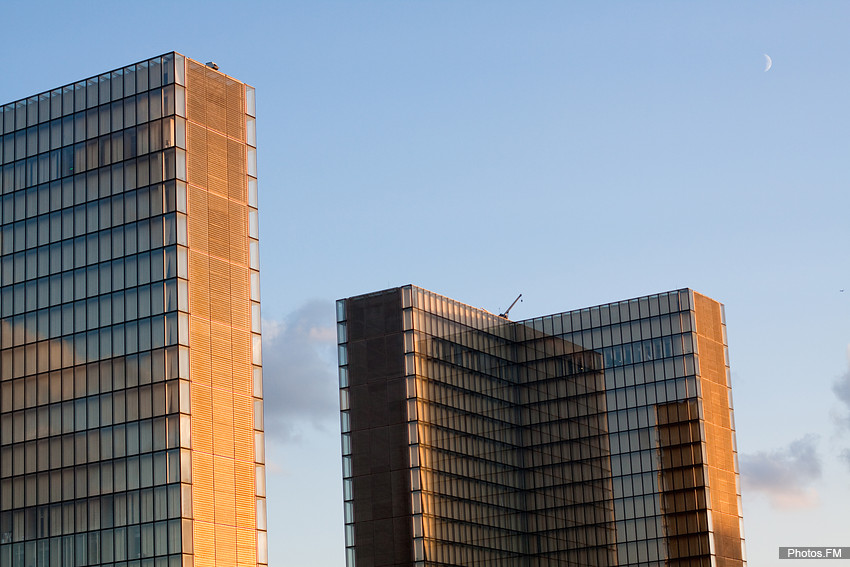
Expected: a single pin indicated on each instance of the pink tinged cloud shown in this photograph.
(785, 476)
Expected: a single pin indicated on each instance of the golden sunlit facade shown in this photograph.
(131, 422)
(601, 436)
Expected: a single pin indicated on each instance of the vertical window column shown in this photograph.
(408, 299)
(256, 320)
(345, 427)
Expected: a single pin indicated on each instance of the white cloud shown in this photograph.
(785, 476)
(299, 372)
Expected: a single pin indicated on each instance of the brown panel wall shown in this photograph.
(381, 479)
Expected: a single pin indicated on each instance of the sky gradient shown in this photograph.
(577, 153)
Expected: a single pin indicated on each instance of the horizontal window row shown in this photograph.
(101, 548)
(649, 372)
(515, 424)
(553, 548)
(648, 461)
(675, 382)
(109, 87)
(554, 522)
(504, 381)
(505, 473)
(81, 414)
(133, 438)
(454, 388)
(94, 154)
(443, 317)
(693, 549)
(464, 373)
(431, 327)
(546, 360)
(599, 338)
(634, 440)
(439, 307)
(632, 419)
(540, 492)
(643, 485)
(649, 552)
(46, 519)
(542, 440)
(74, 208)
(648, 350)
(464, 488)
(564, 438)
(92, 346)
(506, 385)
(87, 125)
(86, 315)
(95, 479)
(637, 526)
(80, 550)
(650, 509)
(542, 535)
(494, 426)
(91, 379)
(479, 390)
(555, 436)
(553, 541)
(625, 416)
(613, 313)
(492, 521)
(102, 246)
(82, 283)
(128, 174)
(589, 452)
(67, 262)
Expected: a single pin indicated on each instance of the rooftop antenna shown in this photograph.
(508, 310)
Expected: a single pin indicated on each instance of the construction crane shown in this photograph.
(508, 310)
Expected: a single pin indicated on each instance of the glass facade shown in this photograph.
(112, 224)
(602, 436)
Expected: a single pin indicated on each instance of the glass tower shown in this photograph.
(602, 436)
(131, 416)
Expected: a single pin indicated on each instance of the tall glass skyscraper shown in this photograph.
(599, 437)
(131, 414)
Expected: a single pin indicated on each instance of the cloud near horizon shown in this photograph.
(785, 476)
(300, 372)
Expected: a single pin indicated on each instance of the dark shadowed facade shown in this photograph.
(131, 431)
(602, 436)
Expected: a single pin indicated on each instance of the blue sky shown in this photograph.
(578, 153)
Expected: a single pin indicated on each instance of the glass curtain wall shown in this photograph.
(602, 436)
(90, 419)
(97, 426)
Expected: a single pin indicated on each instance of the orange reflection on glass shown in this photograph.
(224, 486)
(722, 476)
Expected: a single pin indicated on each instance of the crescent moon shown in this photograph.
(768, 62)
